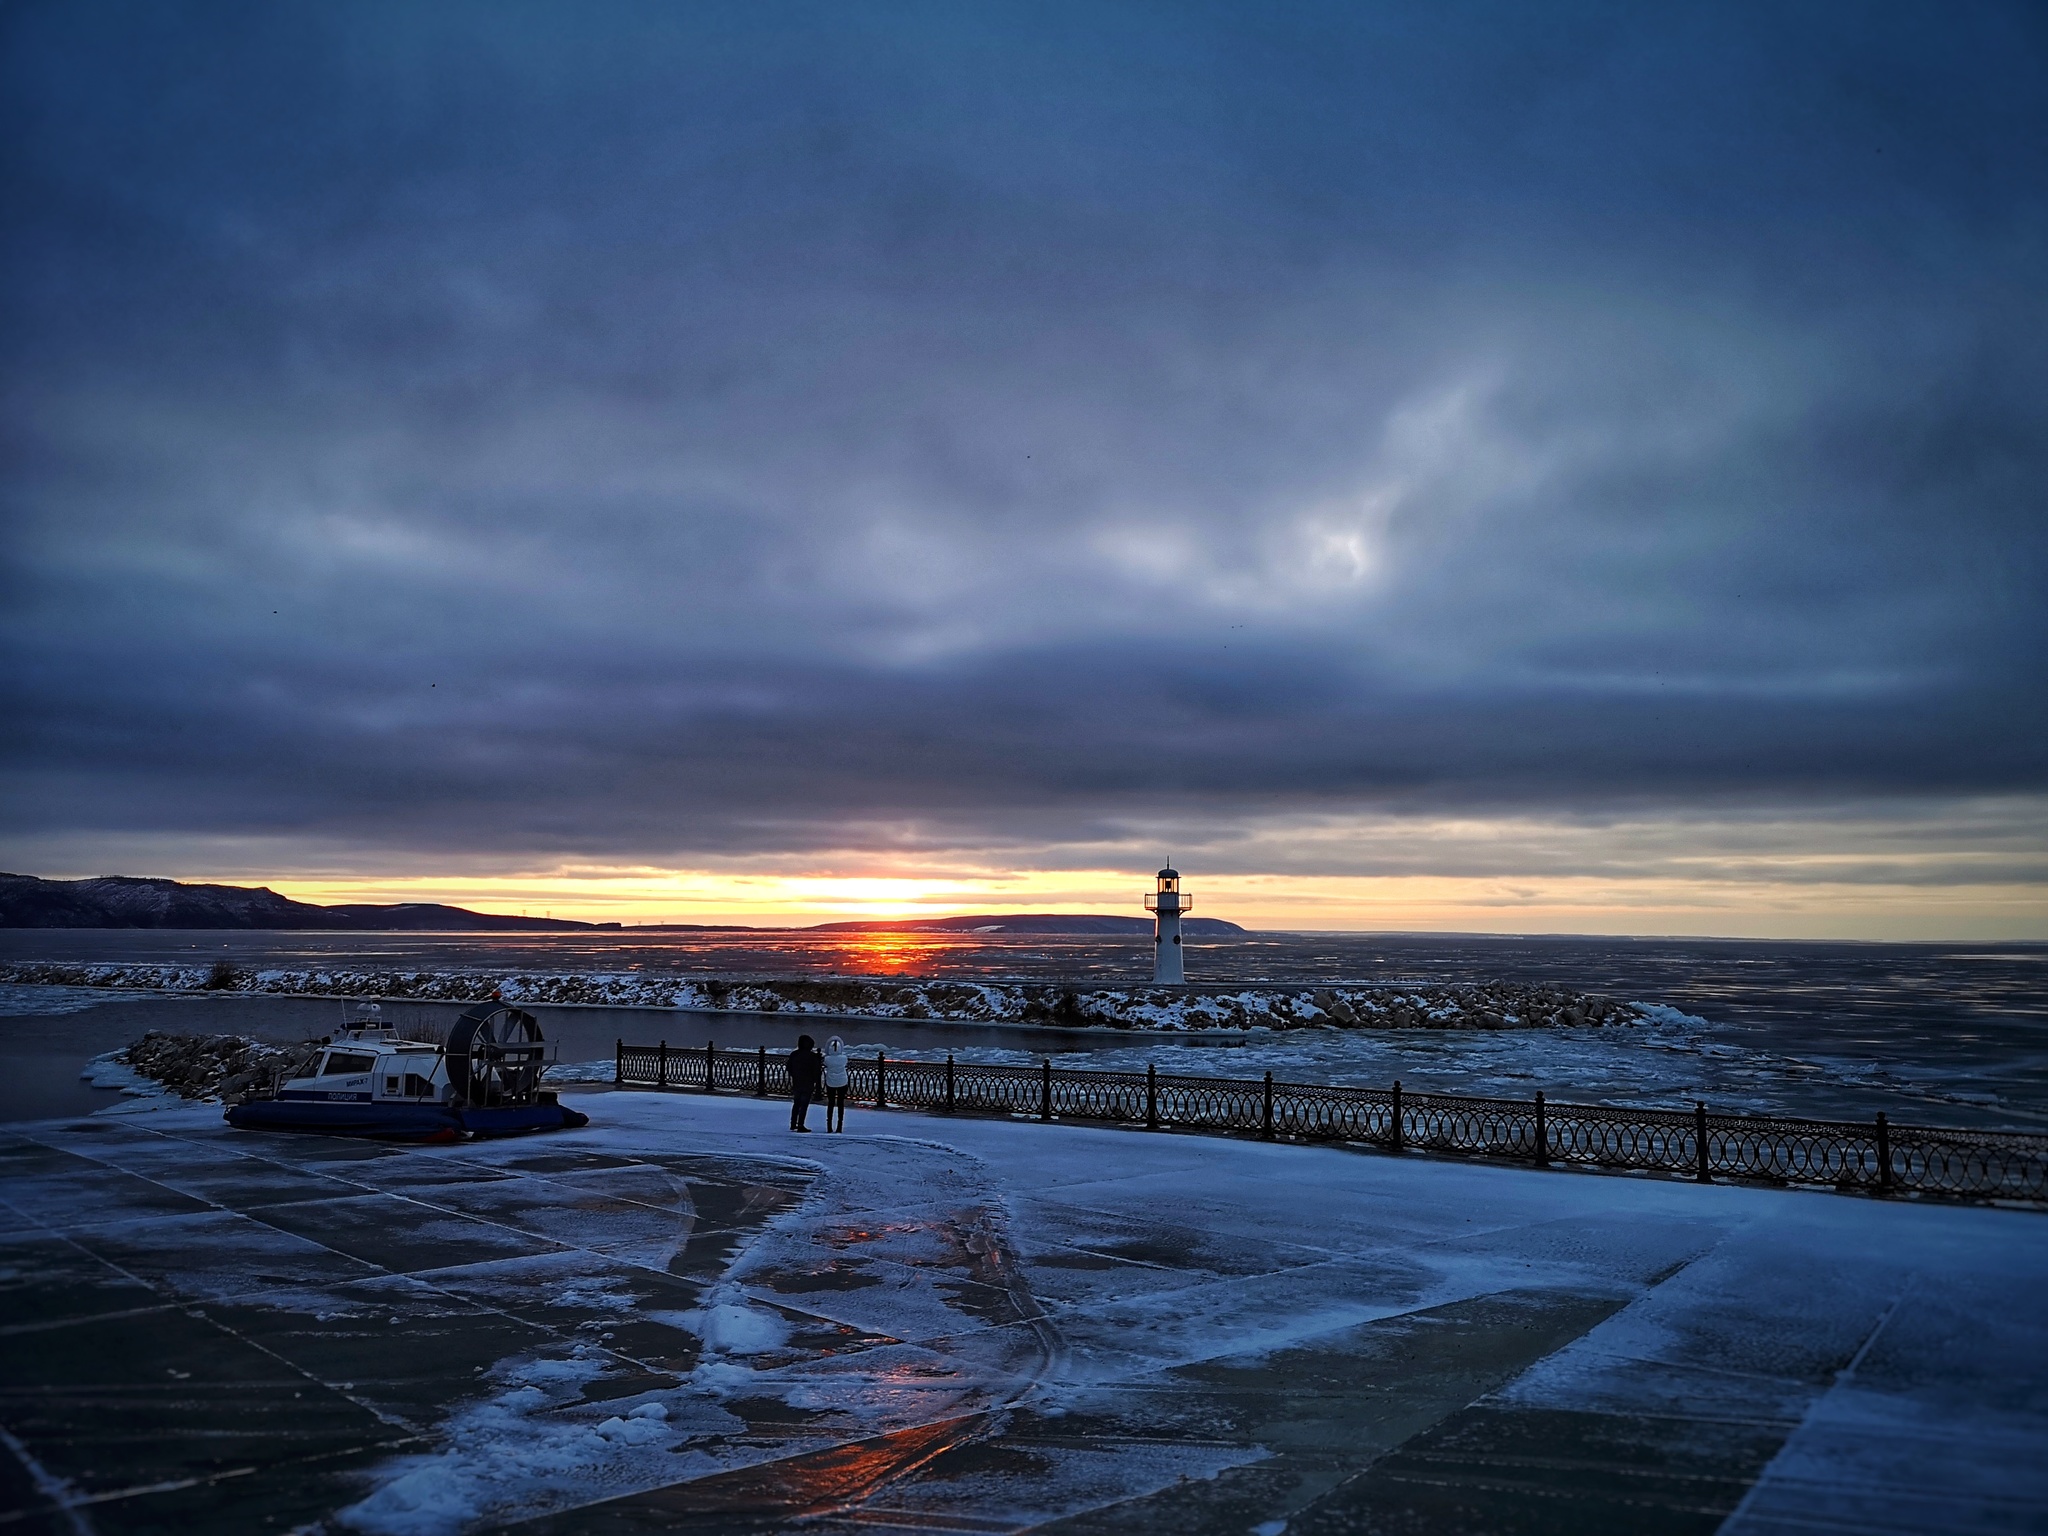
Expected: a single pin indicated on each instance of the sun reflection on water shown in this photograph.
(888, 954)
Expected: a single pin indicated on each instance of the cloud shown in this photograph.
(645, 434)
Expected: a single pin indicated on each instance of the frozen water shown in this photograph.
(108, 1070)
(1670, 1061)
(1941, 1034)
(19, 1001)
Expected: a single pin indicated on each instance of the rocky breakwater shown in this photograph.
(215, 1066)
(1496, 1005)
(1492, 1005)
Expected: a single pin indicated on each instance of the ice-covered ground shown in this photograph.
(687, 1318)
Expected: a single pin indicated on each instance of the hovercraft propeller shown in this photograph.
(496, 1056)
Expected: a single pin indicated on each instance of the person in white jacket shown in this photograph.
(835, 1083)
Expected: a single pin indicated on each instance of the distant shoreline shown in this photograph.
(135, 902)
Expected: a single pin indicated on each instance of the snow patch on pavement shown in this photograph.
(733, 1327)
(534, 1446)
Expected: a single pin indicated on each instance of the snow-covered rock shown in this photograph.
(204, 1066)
(1490, 1005)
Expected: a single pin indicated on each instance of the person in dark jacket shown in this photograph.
(806, 1071)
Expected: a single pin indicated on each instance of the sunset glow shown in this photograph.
(1549, 904)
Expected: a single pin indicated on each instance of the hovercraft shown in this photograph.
(368, 1082)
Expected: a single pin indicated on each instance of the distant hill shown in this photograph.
(124, 901)
(1028, 922)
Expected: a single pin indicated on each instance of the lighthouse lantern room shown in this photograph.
(1167, 904)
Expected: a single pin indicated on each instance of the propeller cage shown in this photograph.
(496, 1056)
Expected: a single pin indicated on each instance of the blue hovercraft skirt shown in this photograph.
(400, 1122)
(515, 1121)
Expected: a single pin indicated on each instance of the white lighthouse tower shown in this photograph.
(1167, 904)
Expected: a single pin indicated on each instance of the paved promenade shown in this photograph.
(687, 1318)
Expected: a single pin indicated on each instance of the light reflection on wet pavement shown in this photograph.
(686, 1319)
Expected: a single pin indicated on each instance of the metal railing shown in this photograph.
(1874, 1156)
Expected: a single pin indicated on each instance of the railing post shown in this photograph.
(1542, 1134)
(949, 1082)
(761, 1074)
(881, 1081)
(1394, 1120)
(1884, 1154)
(619, 1062)
(1701, 1170)
(1266, 1116)
(1151, 1096)
(711, 1066)
(1045, 1092)
(661, 1071)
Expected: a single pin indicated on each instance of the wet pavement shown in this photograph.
(685, 1318)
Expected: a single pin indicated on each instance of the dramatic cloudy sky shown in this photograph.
(1490, 466)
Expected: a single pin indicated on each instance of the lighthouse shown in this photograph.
(1167, 904)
